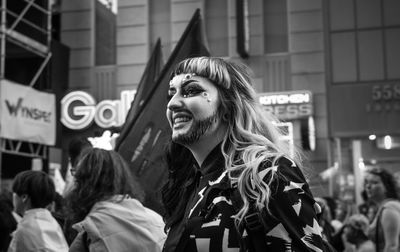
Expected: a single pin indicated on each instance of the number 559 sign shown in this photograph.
(386, 92)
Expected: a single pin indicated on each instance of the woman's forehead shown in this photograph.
(178, 80)
(370, 176)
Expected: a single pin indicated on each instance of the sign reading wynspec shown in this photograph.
(79, 110)
(288, 105)
(27, 114)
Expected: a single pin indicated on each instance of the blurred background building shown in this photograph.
(330, 69)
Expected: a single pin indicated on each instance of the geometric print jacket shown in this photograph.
(208, 224)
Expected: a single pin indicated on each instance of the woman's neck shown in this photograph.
(380, 202)
(201, 151)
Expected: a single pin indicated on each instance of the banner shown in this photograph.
(146, 84)
(143, 147)
(27, 114)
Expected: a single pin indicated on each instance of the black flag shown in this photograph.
(146, 85)
(144, 145)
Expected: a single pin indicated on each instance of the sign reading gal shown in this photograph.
(27, 114)
(79, 110)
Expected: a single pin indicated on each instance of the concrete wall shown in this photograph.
(77, 32)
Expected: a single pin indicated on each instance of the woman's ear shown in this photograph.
(24, 198)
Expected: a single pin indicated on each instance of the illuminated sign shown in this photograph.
(288, 105)
(79, 110)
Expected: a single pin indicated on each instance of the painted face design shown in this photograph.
(192, 110)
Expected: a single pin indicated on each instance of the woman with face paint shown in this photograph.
(233, 185)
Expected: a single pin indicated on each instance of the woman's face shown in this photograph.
(374, 187)
(192, 110)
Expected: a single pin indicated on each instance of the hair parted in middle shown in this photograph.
(252, 136)
(100, 175)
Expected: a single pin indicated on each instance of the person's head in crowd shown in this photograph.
(379, 184)
(100, 174)
(32, 189)
(331, 202)
(325, 213)
(76, 149)
(341, 210)
(324, 218)
(356, 229)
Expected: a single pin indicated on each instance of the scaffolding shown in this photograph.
(25, 29)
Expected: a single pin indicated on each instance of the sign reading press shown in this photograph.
(289, 105)
(27, 114)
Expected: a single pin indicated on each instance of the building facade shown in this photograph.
(341, 53)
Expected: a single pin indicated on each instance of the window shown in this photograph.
(216, 26)
(364, 36)
(275, 26)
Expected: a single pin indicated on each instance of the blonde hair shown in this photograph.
(252, 137)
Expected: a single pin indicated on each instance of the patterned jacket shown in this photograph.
(208, 224)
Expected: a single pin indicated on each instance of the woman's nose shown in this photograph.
(174, 103)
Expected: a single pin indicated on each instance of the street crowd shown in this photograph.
(233, 185)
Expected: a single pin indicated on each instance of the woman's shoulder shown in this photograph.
(280, 172)
(392, 203)
(277, 162)
(391, 208)
(281, 165)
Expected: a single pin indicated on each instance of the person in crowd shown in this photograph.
(364, 206)
(8, 223)
(33, 192)
(57, 209)
(384, 230)
(325, 219)
(341, 214)
(105, 204)
(229, 169)
(356, 233)
(77, 148)
(372, 209)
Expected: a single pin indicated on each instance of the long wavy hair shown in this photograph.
(388, 181)
(100, 175)
(251, 138)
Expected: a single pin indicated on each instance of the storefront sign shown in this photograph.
(288, 105)
(362, 109)
(27, 114)
(79, 110)
(384, 98)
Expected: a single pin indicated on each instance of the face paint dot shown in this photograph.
(188, 77)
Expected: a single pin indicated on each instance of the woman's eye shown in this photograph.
(191, 91)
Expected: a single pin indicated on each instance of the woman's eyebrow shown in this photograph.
(187, 82)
